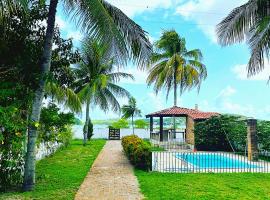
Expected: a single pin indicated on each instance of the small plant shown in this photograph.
(90, 130)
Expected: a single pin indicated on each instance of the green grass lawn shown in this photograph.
(59, 176)
(241, 186)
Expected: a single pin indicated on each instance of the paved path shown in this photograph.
(111, 177)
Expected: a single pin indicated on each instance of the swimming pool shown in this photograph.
(215, 160)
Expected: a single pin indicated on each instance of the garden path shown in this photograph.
(111, 177)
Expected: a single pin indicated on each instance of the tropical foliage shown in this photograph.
(173, 66)
(249, 22)
(106, 23)
(131, 110)
(229, 133)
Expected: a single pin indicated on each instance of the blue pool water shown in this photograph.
(208, 160)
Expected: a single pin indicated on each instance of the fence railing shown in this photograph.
(209, 162)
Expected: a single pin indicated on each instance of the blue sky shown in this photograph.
(226, 89)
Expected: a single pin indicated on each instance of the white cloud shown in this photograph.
(133, 7)
(240, 72)
(207, 14)
(139, 75)
(60, 22)
(227, 92)
(75, 35)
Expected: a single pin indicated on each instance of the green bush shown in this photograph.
(12, 137)
(55, 126)
(263, 131)
(138, 151)
(215, 133)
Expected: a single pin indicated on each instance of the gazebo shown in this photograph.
(169, 135)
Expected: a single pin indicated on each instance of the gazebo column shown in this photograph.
(252, 139)
(151, 127)
(161, 128)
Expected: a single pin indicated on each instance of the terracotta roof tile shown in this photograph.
(195, 114)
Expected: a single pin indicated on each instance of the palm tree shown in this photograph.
(249, 22)
(131, 110)
(98, 18)
(174, 66)
(97, 80)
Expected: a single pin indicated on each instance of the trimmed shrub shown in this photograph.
(138, 151)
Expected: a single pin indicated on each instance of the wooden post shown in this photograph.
(161, 128)
(252, 139)
(151, 127)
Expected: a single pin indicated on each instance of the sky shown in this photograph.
(226, 89)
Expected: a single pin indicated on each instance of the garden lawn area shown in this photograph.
(241, 186)
(59, 176)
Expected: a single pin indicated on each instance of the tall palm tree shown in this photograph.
(174, 66)
(250, 22)
(98, 18)
(131, 110)
(97, 80)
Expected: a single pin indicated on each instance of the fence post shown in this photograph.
(252, 139)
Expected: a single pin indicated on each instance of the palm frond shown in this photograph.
(63, 95)
(236, 25)
(109, 25)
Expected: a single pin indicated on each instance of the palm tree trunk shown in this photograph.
(85, 131)
(132, 124)
(45, 63)
(175, 87)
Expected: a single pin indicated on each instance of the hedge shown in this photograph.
(138, 151)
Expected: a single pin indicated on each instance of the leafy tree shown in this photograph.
(131, 110)
(54, 125)
(174, 66)
(97, 79)
(141, 124)
(263, 131)
(19, 69)
(121, 123)
(98, 18)
(249, 22)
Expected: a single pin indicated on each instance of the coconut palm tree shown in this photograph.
(251, 23)
(174, 66)
(131, 110)
(103, 21)
(97, 80)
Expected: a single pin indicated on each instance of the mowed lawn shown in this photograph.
(59, 176)
(241, 186)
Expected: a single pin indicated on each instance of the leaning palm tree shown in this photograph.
(131, 110)
(174, 66)
(101, 20)
(250, 22)
(97, 80)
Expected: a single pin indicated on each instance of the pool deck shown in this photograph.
(168, 162)
(111, 177)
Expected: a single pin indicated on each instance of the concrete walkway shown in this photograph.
(111, 177)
